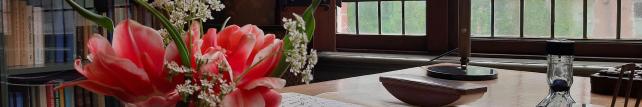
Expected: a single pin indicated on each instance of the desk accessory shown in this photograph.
(559, 73)
(464, 71)
(431, 92)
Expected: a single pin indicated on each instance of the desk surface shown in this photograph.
(511, 89)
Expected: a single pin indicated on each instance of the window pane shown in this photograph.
(415, 17)
(602, 19)
(480, 18)
(537, 18)
(568, 18)
(637, 27)
(506, 18)
(346, 18)
(631, 19)
(391, 17)
(368, 23)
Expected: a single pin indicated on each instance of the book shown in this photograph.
(69, 97)
(69, 36)
(59, 31)
(28, 35)
(19, 100)
(61, 97)
(38, 36)
(42, 97)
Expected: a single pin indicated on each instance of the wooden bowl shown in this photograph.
(431, 92)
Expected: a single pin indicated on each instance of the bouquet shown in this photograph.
(235, 66)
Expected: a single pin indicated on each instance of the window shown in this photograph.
(384, 25)
(568, 19)
(384, 17)
(601, 28)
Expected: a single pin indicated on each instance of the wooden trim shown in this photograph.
(594, 48)
(437, 26)
(378, 0)
(379, 42)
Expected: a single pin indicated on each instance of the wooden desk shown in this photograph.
(511, 89)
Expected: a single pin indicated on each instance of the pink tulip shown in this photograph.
(243, 47)
(131, 70)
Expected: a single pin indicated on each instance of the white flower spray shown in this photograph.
(301, 62)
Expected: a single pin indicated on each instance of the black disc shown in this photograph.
(472, 73)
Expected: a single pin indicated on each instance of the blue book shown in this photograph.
(69, 97)
(12, 100)
(48, 31)
(59, 31)
(50, 54)
(19, 99)
(69, 38)
(60, 50)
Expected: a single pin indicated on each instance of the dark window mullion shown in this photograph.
(403, 17)
(492, 18)
(379, 15)
(356, 11)
(521, 19)
(619, 20)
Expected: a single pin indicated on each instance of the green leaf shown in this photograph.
(102, 21)
(308, 17)
(310, 24)
(225, 23)
(173, 33)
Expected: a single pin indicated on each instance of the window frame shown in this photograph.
(441, 39)
(434, 41)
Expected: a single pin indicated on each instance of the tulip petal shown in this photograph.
(268, 82)
(241, 46)
(243, 98)
(271, 97)
(210, 40)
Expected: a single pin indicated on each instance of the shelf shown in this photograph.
(19, 70)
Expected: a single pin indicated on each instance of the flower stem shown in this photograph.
(174, 34)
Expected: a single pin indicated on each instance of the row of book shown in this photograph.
(41, 31)
(48, 96)
(49, 31)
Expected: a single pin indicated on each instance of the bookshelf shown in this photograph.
(41, 38)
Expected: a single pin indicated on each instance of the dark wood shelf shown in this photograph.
(19, 70)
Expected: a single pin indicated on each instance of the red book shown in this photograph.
(50, 96)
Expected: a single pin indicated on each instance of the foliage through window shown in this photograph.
(387, 18)
(601, 19)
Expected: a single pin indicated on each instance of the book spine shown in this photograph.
(69, 36)
(38, 36)
(43, 96)
(59, 30)
(50, 96)
(20, 99)
(19, 33)
(69, 96)
(29, 36)
(61, 98)
(12, 99)
(8, 17)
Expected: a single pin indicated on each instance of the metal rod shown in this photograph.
(521, 18)
(584, 20)
(616, 91)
